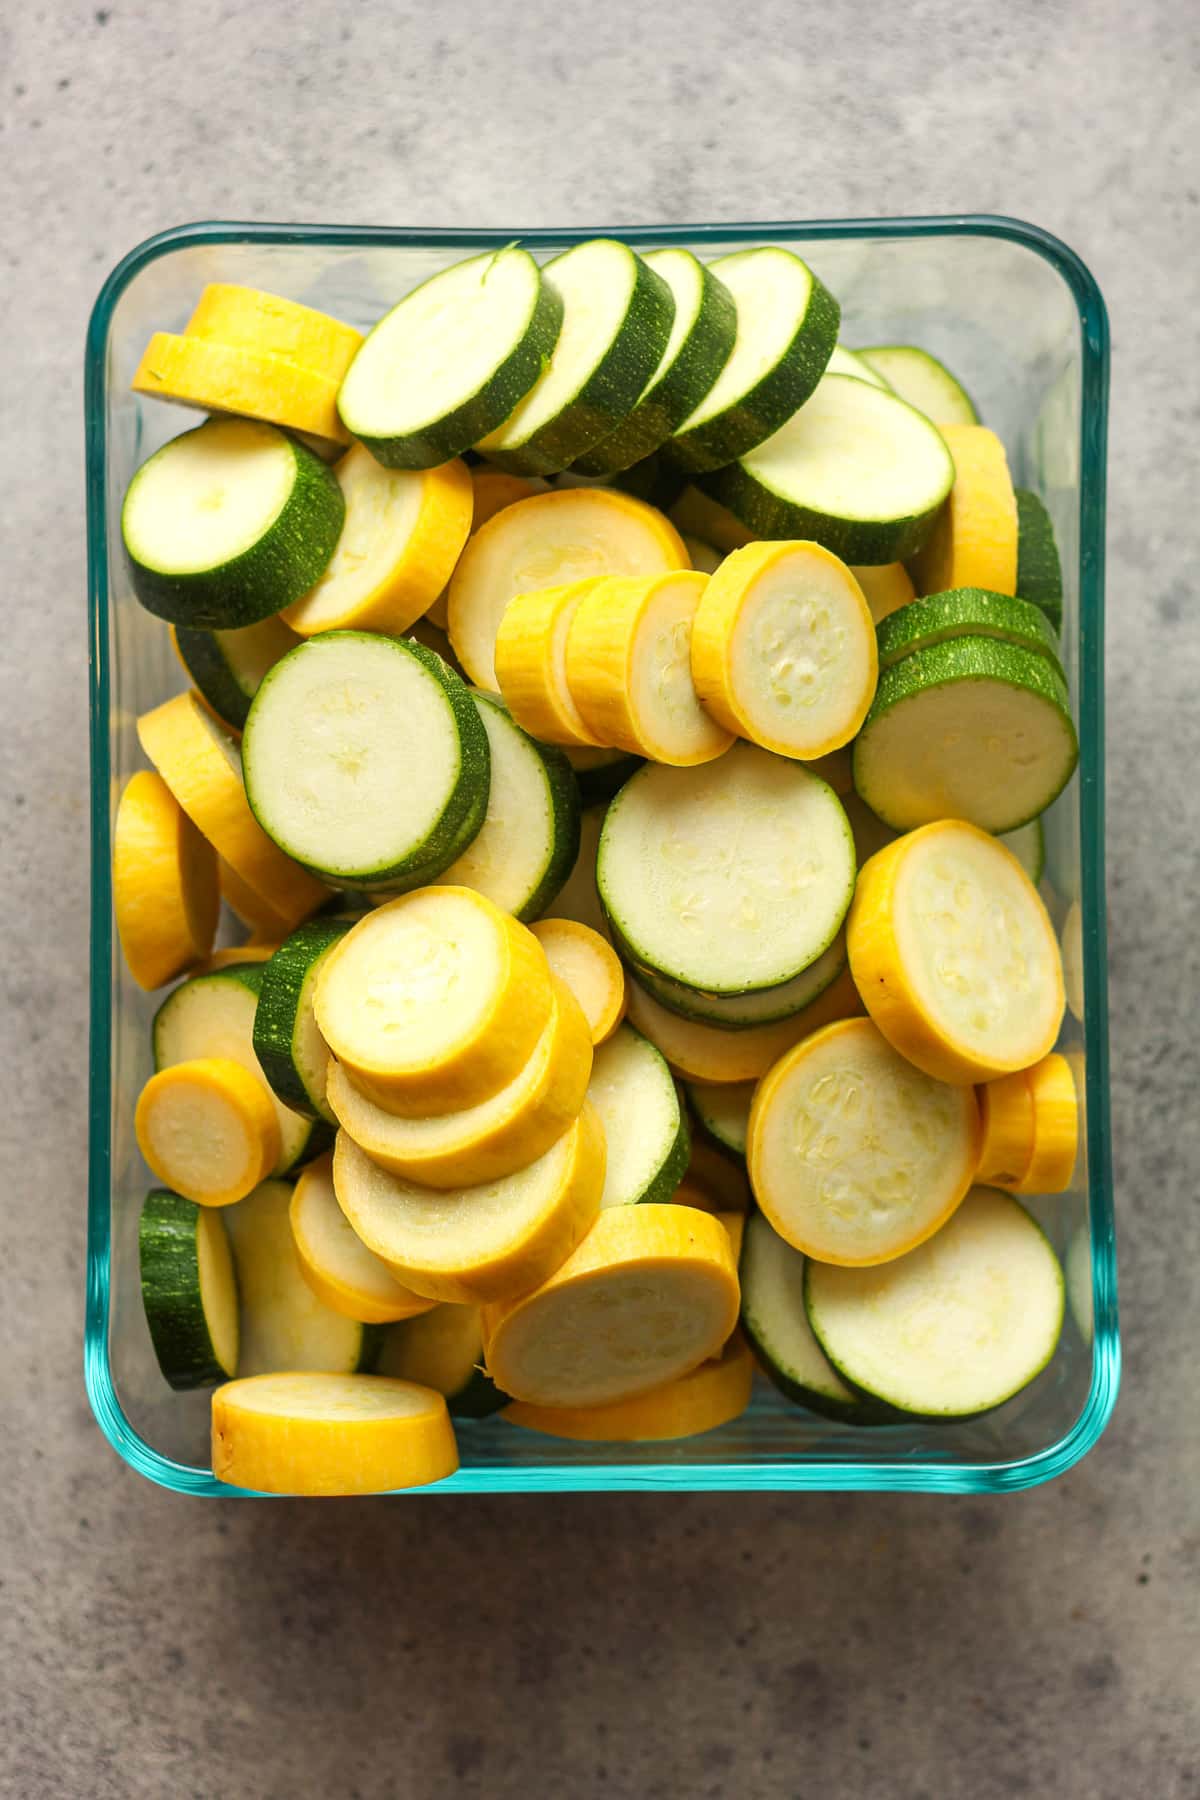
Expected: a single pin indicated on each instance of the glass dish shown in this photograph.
(1020, 319)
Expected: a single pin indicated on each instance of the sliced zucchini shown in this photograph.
(740, 1012)
(855, 469)
(774, 1319)
(1028, 845)
(213, 1015)
(723, 1109)
(974, 729)
(227, 667)
(283, 1324)
(208, 1129)
(855, 1156)
(966, 613)
(165, 894)
(954, 954)
(448, 364)
(852, 362)
(731, 877)
(188, 1290)
(783, 649)
(650, 1293)
(973, 542)
(654, 480)
(490, 1141)
(616, 320)
(1039, 570)
(435, 1001)
(291, 1052)
(403, 532)
(443, 1350)
(304, 1433)
(923, 381)
(229, 523)
(787, 323)
(629, 668)
(600, 772)
(529, 839)
(957, 1327)
(701, 1052)
(579, 898)
(591, 969)
(703, 330)
(550, 541)
(343, 1274)
(645, 1127)
(483, 1242)
(329, 730)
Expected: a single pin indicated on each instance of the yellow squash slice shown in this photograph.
(164, 883)
(249, 319)
(208, 1128)
(974, 542)
(1007, 1124)
(709, 1395)
(1055, 1128)
(531, 663)
(591, 969)
(305, 1433)
(251, 908)
(336, 1264)
(492, 490)
(228, 378)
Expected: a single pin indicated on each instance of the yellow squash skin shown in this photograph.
(974, 541)
(227, 378)
(378, 1300)
(575, 950)
(1055, 1128)
(531, 663)
(710, 1395)
(1007, 1121)
(246, 318)
(164, 883)
(163, 1126)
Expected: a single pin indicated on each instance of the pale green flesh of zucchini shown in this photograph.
(954, 1328)
(772, 1280)
(1028, 845)
(284, 1325)
(208, 497)
(972, 729)
(848, 362)
(923, 381)
(738, 1012)
(723, 1108)
(730, 877)
(353, 755)
(440, 345)
(634, 1093)
(771, 289)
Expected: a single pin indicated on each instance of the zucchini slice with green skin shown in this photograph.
(739, 1012)
(850, 362)
(965, 612)
(787, 326)
(701, 340)
(972, 729)
(655, 480)
(213, 1015)
(600, 772)
(366, 760)
(228, 524)
(923, 381)
(227, 667)
(189, 1291)
(730, 877)
(283, 1324)
(450, 361)
(1028, 845)
(529, 840)
(723, 1109)
(1039, 570)
(956, 1327)
(443, 1350)
(291, 1051)
(855, 469)
(774, 1320)
(616, 321)
(646, 1128)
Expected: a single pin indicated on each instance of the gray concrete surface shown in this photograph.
(623, 1646)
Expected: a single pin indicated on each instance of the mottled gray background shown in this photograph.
(1044, 1644)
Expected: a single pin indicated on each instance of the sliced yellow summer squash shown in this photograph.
(200, 764)
(710, 1395)
(706, 1053)
(306, 1433)
(650, 1293)
(335, 1262)
(434, 1002)
(548, 541)
(164, 883)
(531, 663)
(954, 954)
(227, 378)
(484, 1242)
(249, 319)
(591, 969)
(402, 535)
(1006, 1119)
(264, 922)
(488, 1141)
(974, 541)
(1055, 1128)
(208, 1129)
(629, 668)
(492, 490)
(783, 649)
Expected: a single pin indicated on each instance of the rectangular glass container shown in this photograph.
(1020, 320)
